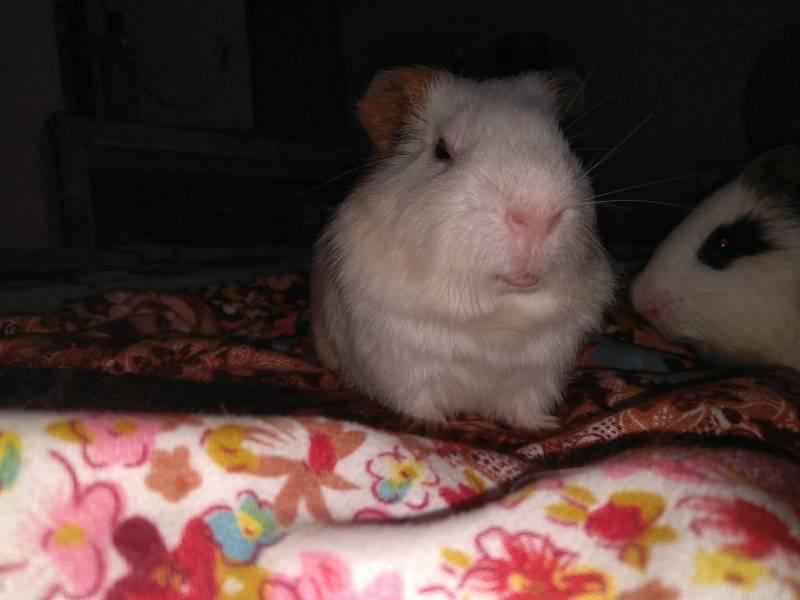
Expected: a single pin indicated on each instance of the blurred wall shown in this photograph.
(179, 48)
(31, 91)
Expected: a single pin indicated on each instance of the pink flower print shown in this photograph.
(326, 577)
(77, 536)
(371, 514)
(402, 477)
(112, 439)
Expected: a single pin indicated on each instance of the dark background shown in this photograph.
(292, 71)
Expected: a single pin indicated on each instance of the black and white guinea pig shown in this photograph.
(727, 279)
(462, 274)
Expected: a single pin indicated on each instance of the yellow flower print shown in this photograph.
(225, 446)
(10, 458)
(239, 582)
(727, 566)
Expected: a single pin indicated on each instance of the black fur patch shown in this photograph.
(745, 237)
(776, 175)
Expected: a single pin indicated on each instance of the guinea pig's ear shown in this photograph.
(560, 89)
(392, 98)
(776, 172)
(567, 90)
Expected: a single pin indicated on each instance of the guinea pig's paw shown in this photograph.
(424, 408)
(522, 415)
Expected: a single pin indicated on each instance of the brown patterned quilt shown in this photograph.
(250, 340)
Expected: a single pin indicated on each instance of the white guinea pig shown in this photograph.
(462, 274)
(727, 280)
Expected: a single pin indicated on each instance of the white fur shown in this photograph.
(405, 297)
(748, 312)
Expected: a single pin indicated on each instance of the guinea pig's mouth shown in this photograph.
(521, 281)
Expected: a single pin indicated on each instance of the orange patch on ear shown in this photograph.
(391, 99)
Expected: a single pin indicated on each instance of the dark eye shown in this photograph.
(441, 152)
(745, 237)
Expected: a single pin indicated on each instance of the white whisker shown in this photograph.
(627, 201)
(593, 108)
(366, 165)
(582, 86)
(659, 181)
(619, 144)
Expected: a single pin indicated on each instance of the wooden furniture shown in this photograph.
(85, 146)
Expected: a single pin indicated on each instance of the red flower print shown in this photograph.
(465, 492)
(321, 453)
(452, 453)
(186, 573)
(459, 496)
(526, 566)
(626, 523)
(759, 532)
(616, 524)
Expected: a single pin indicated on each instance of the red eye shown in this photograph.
(724, 242)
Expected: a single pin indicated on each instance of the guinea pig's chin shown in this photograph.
(518, 282)
(674, 333)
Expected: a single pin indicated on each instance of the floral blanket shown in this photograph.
(669, 480)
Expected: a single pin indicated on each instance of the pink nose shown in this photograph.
(531, 226)
(654, 308)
